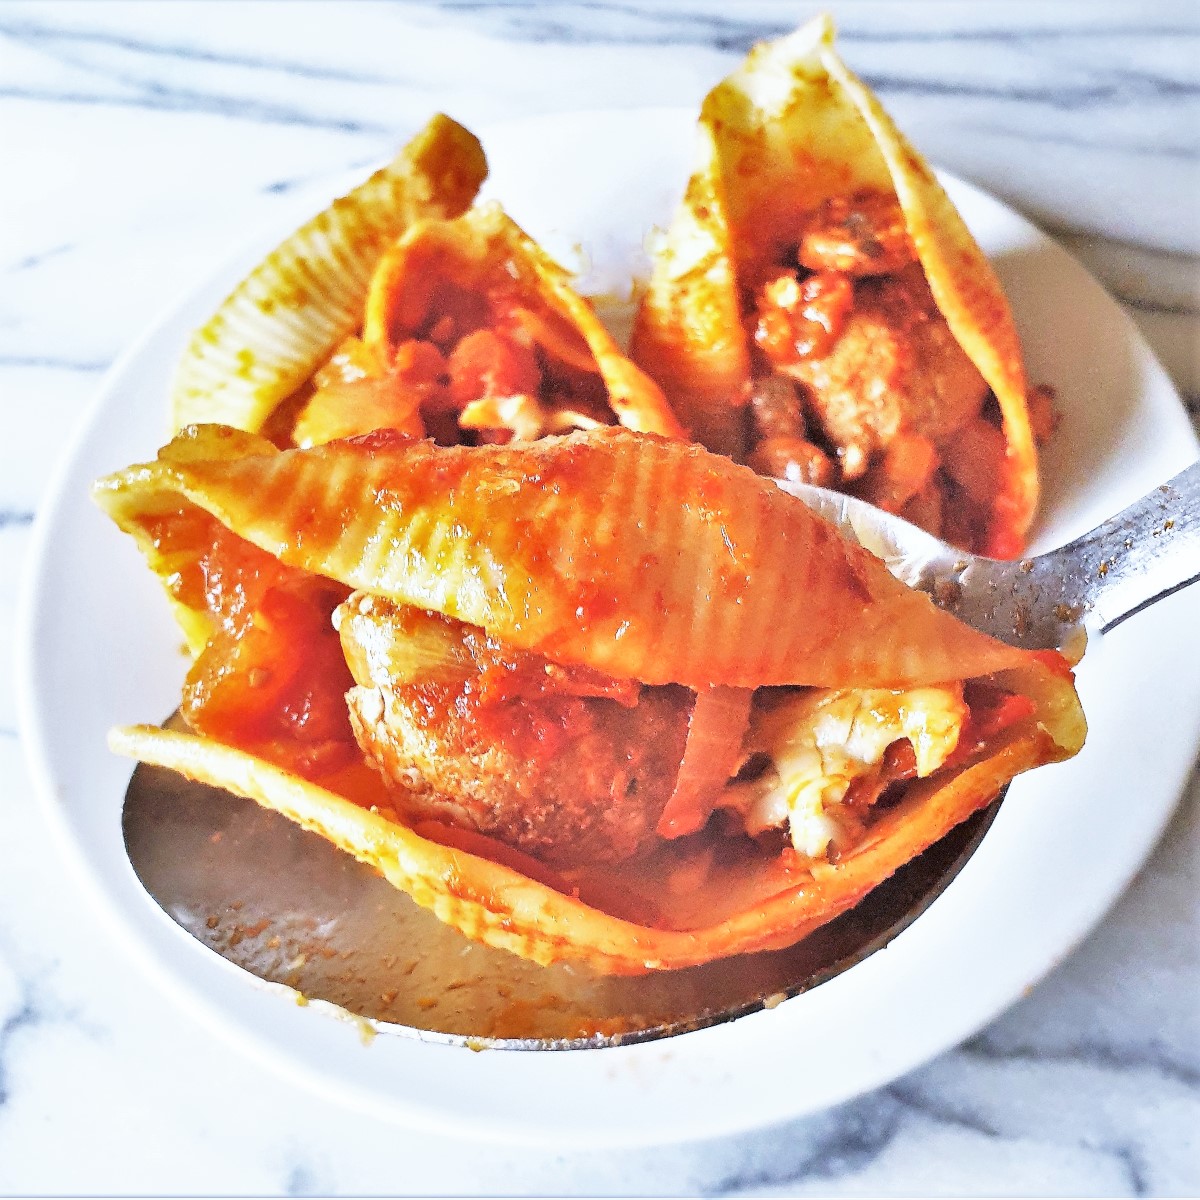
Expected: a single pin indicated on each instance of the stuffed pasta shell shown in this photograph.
(605, 697)
(473, 333)
(288, 315)
(404, 305)
(819, 309)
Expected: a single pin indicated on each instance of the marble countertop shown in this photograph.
(140, 142)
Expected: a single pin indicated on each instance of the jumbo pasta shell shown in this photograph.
(172, 533)
(688, 903)
(565, 547)
(291, 311)
(792, 128)
(486, 258)
(688, 332)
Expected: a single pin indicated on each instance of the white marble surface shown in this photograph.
(139, 142)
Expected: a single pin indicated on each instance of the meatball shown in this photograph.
(568, 780)
(557, 762)
(896, 365)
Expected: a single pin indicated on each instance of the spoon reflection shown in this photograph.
(288, 907)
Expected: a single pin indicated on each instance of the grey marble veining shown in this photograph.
(1050, 84)
(141, 143)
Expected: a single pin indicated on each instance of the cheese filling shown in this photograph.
(820, 742)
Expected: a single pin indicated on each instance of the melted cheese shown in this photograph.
(821, 741)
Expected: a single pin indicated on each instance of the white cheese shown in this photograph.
(821, 741)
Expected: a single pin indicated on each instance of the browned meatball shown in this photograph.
(568, 780)
(896, 365)
(557, 762)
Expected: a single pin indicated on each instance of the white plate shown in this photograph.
(98, 648)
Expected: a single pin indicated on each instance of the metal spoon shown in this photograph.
(287, 907)
(1146, 552)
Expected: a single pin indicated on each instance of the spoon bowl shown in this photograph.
(288, 907)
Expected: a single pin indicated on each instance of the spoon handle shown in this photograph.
(1145, 552)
